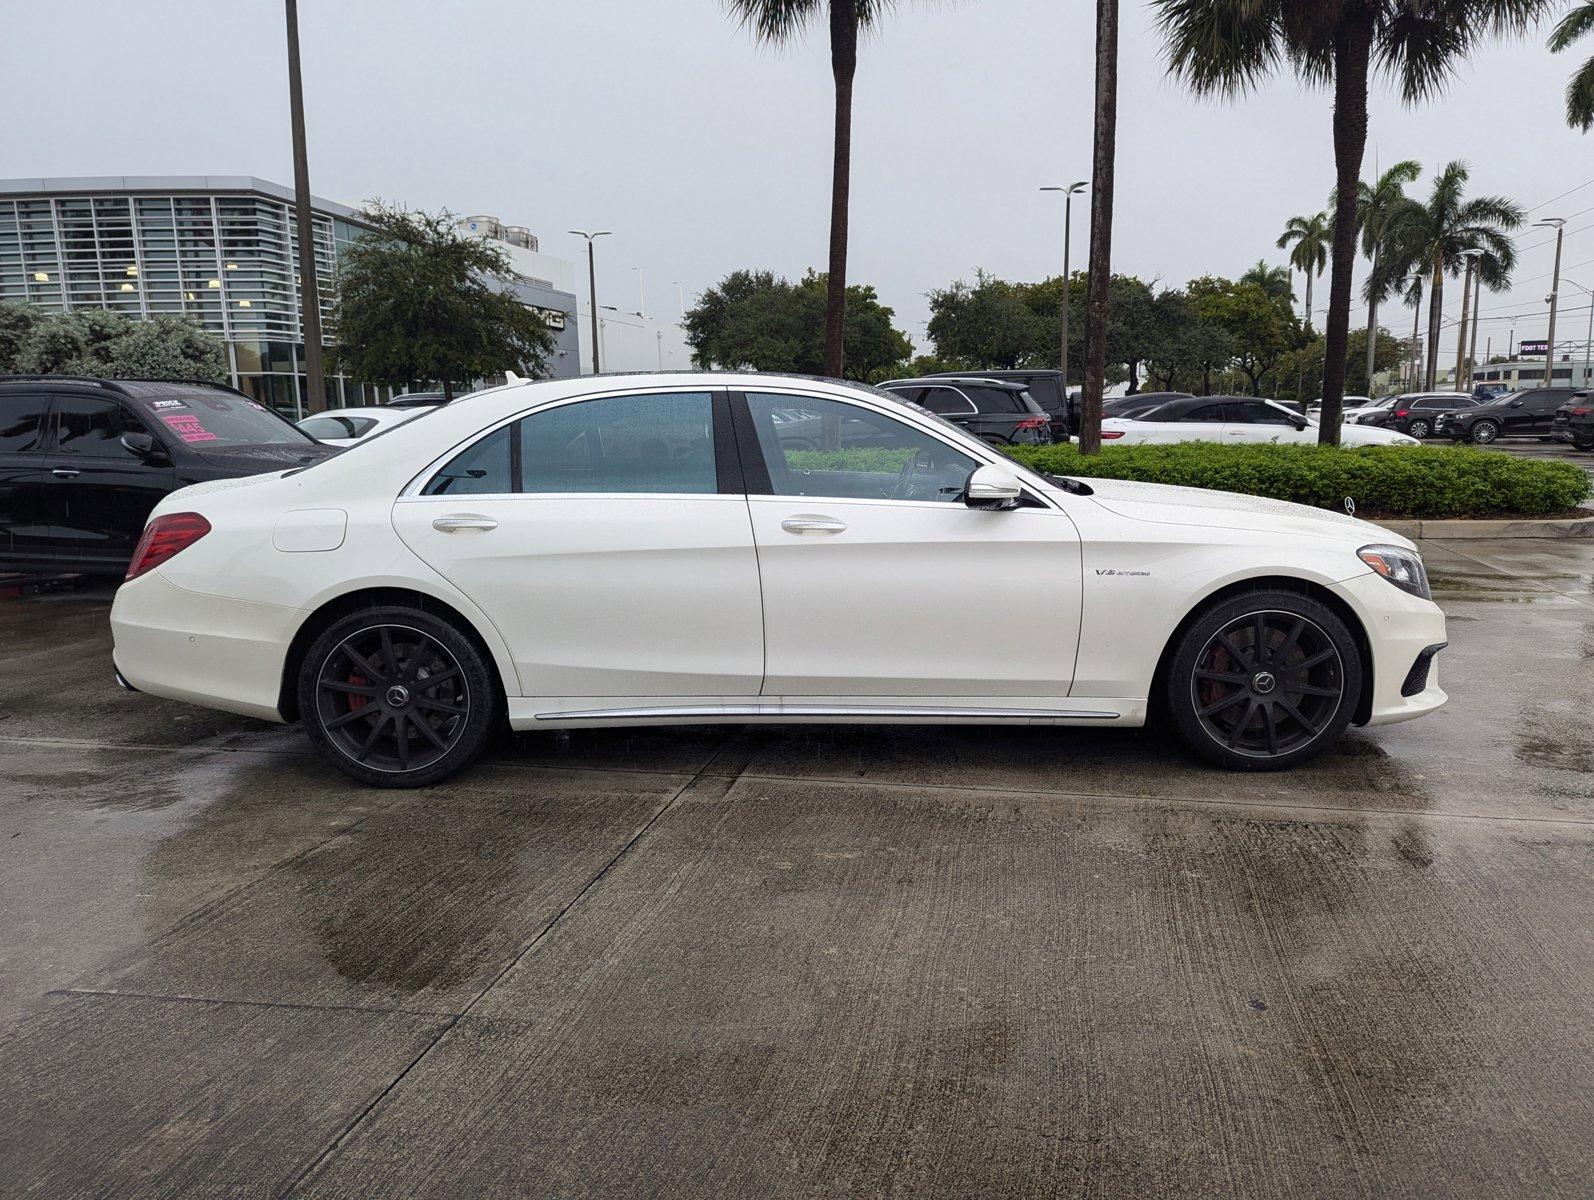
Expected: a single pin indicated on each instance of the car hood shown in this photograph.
(250, 460)
(1170, 505)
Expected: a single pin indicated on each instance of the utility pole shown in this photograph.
(1559, 224)
(592, 288)
(1472, 257)
(641, 294)
(1477, 308)
(309, 292)
(1069, 193)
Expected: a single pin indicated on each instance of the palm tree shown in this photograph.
(1580, 92)
(1428, 239)
(1228, 46)
(782, 21)
(1275, 281)
(1310, 237)
(1375, 203)
(1104, 153)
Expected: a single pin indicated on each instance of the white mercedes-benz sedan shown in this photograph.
(1235, 420)
(638, 550)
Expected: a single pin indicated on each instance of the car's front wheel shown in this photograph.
(397, 697)
(1484, 432)
(1264, 681)
(1419, 428)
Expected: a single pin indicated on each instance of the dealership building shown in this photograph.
(220, 249)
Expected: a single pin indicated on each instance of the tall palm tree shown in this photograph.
(1429, 238)
(1310, 236)
(1104, 152)
(1228, 46)
(1375, 202)
(1275, 281)
(1580, 92)
(780, 22)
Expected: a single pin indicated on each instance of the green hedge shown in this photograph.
(1385, 481)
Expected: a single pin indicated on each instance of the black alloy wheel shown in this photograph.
(1265, 681)
(396, 697)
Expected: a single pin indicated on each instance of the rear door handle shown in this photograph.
(65, 472)
(454, 522)
(805, 525)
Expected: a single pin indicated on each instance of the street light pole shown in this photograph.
(592, 288)
(309, 292)
(1477, 308)
(1472, 256)
(1069, 193)
(1559, 224)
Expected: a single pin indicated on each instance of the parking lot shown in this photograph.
(819, 961)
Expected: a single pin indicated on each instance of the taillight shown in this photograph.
(164, 537)
(1579, 412)
(1111, 435)
(1033, 423)
(1400, 412)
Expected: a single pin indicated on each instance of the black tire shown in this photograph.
(397, 697)
(1420, 428)
(1583, 445)
(1483, 433)
(1267, 714)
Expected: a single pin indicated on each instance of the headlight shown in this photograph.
(1401, 567)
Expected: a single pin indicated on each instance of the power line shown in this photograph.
(1568, 192)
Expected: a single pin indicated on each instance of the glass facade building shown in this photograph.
(221, 250)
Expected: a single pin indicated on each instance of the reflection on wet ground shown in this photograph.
(816, 959)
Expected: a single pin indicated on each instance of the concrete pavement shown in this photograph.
(828, 961)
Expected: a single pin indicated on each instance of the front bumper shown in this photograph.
(1400, 627)
(205, 650)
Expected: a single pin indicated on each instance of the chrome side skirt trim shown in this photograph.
(841, 711)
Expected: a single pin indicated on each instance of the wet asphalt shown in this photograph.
(809, 961)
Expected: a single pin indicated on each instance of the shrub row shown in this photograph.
(1384, 481)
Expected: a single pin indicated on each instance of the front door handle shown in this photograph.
(65, 472)
(806, 525)
(454, 522)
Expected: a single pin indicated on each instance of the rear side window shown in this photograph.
(93, 426)
(1207, 412)
(945, 402)
(21, 421)
(481, 469)
(999, 400)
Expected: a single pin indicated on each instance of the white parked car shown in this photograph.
(346, 426)
(1234, 419)
(663, 549)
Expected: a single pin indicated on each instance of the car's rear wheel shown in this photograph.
(1484, 432)
(1419, 428)
(1264, 681)
(397, 697)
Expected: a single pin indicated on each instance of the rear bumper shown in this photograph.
(206, 650)
(1400, 627)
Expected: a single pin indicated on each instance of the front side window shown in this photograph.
(823, 447)
(90, 425)
(1260, 414)
(21, 421)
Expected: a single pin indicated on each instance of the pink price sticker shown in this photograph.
(188, 427)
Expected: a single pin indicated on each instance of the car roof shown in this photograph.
(365, 410)
(945, 380)
(124, 387)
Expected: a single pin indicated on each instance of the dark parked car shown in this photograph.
(1418, 414)
(1130, 407)
(1516, 414)
(82, 461)
(1046, 387)
(1574, 421)
(1001, 412)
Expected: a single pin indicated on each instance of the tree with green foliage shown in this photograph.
(1310, 237)
(416, 302)
(112, 345)
(756, 320)
(1376, 206)
(1230, 46)
(988, 326)
(1275, 281)
(1298, 376)
(1260, 328)
(1432, 239)
(1580, 92)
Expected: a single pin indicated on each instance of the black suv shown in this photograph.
(83, 461)
(1515, 414)
(997, 410)
(1045, 386)
(1418, 413)
(1574, 421)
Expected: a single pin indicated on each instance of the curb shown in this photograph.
(1461, 530)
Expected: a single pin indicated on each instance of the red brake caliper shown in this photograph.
(357, 702)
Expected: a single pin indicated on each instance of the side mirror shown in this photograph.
(991, 488)
(1516, 404)
(141, 444)
(1300, 422)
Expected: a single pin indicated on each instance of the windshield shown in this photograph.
(207, 418)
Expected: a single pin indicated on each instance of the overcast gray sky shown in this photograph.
(663, 121)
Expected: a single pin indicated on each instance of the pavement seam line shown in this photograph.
(284, 1004)
(975, 789)
(437, 1039)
